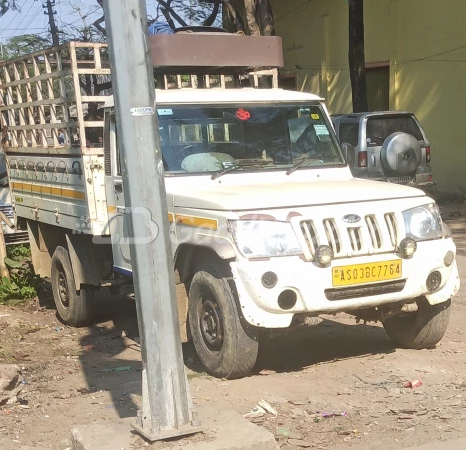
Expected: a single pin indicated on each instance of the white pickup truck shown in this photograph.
(269, 228)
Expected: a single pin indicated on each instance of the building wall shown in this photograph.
(424, 42)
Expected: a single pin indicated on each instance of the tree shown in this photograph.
(22, 45)
(83, 30)
(7, 5)
(180, 13)
(254, 17)
(356, 56)
(257, 14)
(199, 12)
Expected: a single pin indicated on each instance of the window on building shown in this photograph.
(378, 88)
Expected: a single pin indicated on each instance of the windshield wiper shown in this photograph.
(241, 163)
(300, 163)
(224, 171)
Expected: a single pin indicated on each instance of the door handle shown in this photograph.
(118, 188)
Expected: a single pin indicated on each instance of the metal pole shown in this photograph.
(1, 45)
(166, 400)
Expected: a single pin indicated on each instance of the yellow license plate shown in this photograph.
(366, 273)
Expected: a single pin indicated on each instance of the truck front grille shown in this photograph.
(373, 234)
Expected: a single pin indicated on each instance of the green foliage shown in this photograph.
(24, 282)
(12, 264)
(22, 286)
(19, 252)
(25, 44)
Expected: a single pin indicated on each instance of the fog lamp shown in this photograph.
(324, 255)
(408, 247)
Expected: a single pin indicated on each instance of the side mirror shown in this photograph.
(348, 152)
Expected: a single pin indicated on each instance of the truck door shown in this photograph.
(118, 213)
(117, 221)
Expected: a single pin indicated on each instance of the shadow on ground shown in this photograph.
(111, 352)
(326, 342)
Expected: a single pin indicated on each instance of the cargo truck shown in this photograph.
(269, 228)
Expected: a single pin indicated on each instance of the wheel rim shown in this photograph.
(63, 292)
(211, 325)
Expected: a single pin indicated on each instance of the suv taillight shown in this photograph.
(428, 154)
(362, 159)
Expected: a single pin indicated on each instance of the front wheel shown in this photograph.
(423, 329)
(226, 345)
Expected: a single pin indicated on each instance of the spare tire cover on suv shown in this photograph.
(401, 154)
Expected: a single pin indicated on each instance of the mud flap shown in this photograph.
(85, 269)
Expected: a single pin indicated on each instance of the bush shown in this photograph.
(23, 282)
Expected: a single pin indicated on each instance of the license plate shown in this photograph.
(366, 273)
(399, 179)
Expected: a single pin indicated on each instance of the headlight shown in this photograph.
(261, 238)
(423, 222)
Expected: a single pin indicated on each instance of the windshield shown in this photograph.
(247, 137)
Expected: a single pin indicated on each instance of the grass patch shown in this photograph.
(23, 282)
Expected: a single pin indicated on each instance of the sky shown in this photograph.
(32, 20)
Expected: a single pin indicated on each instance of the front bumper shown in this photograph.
(259, 305)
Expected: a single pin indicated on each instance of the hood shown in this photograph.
(246, 197)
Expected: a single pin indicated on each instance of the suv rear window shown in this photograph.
(349, 133)
(380, 127)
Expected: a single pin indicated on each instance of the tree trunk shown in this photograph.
(257, 14)
(250, 7)
(264, 15)
(232, 18)
(356, 57)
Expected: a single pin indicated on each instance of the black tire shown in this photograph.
(422, 329)
(75, 308)
(226, 345)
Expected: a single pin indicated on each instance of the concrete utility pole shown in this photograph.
(49, 5)
(166, 400)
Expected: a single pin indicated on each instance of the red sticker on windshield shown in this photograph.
(242, 114)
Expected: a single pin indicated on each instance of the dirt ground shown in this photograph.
(347, 371)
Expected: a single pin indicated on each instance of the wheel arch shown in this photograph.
(87, 263)
(187, 256)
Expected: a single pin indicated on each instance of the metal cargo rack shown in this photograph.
(51, 92)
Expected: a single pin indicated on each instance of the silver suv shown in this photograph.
(388, 146)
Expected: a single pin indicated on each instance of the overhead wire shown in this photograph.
(32, 20)
(23, 17)
(18, 10)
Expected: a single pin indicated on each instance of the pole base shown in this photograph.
(159, 435)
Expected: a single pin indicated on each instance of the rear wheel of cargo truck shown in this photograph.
(226, 345)
(75, 308)
(421, 329)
